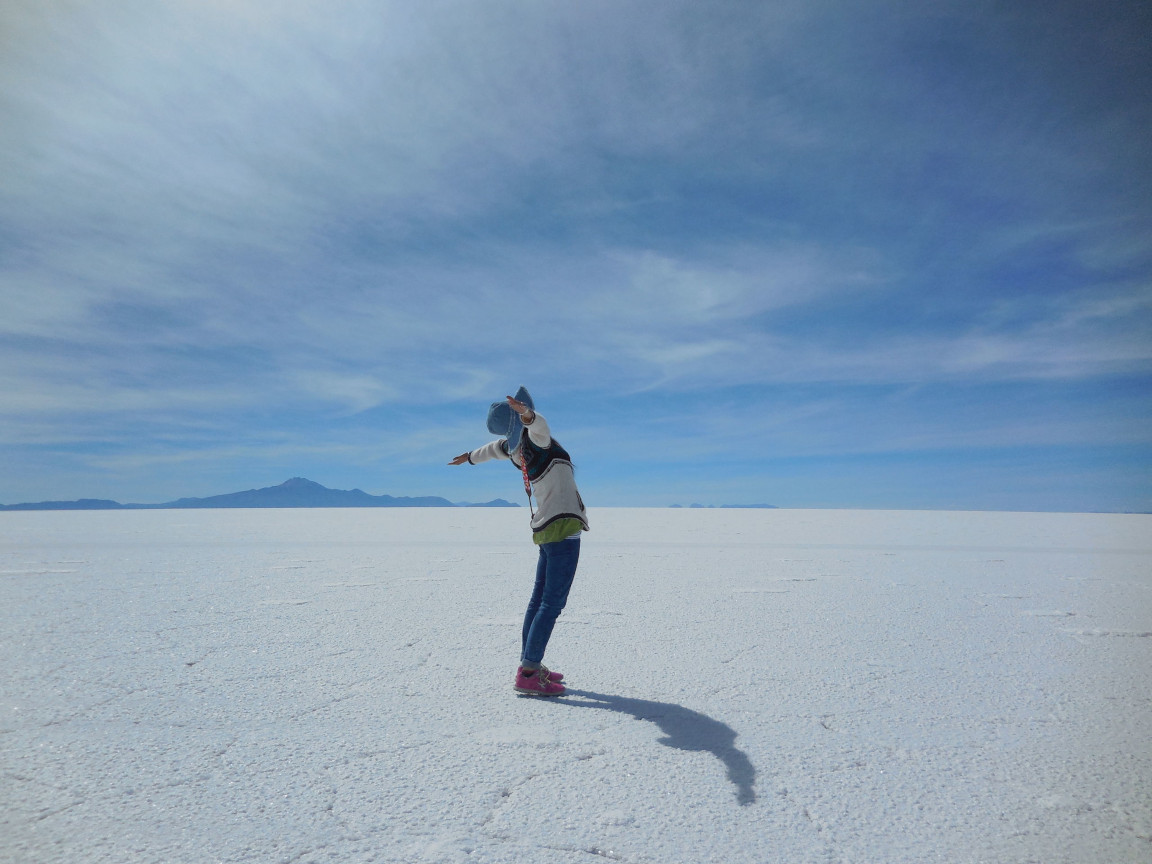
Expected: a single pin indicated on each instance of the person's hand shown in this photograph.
(461, 459)
(520, 408)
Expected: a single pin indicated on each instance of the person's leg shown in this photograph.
(559, 564)
(534, 601)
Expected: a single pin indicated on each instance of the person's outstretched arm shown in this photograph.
(490, 451)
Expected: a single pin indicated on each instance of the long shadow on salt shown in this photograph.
(683, 729)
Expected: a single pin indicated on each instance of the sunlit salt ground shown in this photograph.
(746, 686)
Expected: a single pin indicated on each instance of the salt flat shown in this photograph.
(745, 686)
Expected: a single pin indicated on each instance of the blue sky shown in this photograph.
(811, 254)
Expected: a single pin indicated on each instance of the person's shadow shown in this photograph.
(683, 729)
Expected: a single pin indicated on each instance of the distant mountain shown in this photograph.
(296, 492)
(82, 504)
(299, 492)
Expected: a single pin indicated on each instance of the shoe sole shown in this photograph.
(524, 691)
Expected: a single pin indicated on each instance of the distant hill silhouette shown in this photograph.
(82, 504)
(297, 492)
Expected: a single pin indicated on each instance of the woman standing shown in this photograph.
(557, 522)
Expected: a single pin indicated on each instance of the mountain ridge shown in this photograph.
(296, 492)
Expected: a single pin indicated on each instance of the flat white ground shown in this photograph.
(745, 686)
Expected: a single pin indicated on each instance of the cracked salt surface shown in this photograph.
(335, 685)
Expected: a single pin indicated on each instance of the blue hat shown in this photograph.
(503, 421)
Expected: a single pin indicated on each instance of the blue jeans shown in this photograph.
(554, 573)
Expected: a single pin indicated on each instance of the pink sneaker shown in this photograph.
(547, 673)
(537, 685)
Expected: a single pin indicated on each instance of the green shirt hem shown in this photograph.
(559, 530)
